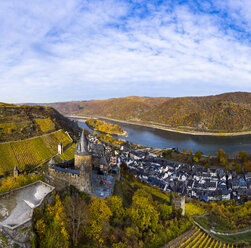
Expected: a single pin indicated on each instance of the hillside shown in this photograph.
(28, 153)
(229, 112)
(123, 108)
(19, 122)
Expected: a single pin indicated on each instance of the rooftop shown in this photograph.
(82, 146)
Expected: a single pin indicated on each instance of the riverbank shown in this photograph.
(161, 127)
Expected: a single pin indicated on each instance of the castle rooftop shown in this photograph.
(82, 146)
(68, 170)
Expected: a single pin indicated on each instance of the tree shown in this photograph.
(222, 157)
(247, 166)
(243, 156)
(238, 168)
(77, 216)
(115, 203)
(100, 214)
(142, 212)
(165, 211)
(190, 151)
(197, 156)
(51, 227)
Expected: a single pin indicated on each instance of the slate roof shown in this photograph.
(67, 170)
(82, 146)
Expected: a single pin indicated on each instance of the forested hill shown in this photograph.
(23, 121)
(227, 112)
(123, 108)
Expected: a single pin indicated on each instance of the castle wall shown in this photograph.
(61, 180)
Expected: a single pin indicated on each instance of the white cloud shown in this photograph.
(53, 51)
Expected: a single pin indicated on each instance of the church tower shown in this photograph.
(83, 162)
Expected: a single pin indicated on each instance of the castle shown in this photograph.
(79, 171)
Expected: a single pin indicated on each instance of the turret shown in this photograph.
(15, 172)
(60, 148)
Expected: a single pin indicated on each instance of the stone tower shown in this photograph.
(83, 162)
(179, 203)
(82, 155)
(15, 172)
(60, 148)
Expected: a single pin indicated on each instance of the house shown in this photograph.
(242, 183)
(211, 186)
(222, 186)
(226, 195)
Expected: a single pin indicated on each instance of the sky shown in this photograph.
(68, 50)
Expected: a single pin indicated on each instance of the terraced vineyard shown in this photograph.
(30, 152)
(199, 239)
(69, 153)
(46, 125)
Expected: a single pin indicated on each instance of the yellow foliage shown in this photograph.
(104, 127)
(11, 183)
(192, 209)
(100, 214)
(40, 227)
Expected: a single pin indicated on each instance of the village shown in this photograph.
(192, 181)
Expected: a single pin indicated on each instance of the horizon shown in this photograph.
(86, 50)
(83, 100)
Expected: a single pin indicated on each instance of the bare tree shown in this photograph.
(78, 216)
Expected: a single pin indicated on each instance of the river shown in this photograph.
(165, 139)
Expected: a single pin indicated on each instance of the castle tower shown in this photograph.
(83, 162)
(60, 148)
(82, 155)
(103, 164)
(179, 203)
(15, 172)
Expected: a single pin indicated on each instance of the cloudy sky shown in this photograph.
(53, 50)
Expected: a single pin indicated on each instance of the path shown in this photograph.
(219, 233)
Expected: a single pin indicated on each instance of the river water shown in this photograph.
(164, 139)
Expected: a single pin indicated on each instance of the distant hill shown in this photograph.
(229, 112)
(123, 108)
(18, 122)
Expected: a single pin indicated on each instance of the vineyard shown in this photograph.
(45, 125)
(199, 239)
(69, 153)
(30, 152)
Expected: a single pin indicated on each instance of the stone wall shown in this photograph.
(22, 233)
(61, 180)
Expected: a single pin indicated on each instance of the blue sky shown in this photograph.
(54, 50)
